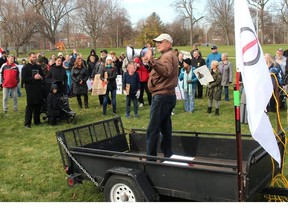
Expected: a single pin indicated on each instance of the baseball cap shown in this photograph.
(105, 51)
(214, 47)
(60, 53)
(162, 37)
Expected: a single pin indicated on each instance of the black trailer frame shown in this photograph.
(102, 150)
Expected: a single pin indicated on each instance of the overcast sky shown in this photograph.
(139, 9)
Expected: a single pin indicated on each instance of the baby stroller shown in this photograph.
(64, 112)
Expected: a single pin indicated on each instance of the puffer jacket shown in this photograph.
(9, 75)
(77, 75)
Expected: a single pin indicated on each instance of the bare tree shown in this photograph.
(92, 18)
(221, 14)
(260, 5)
(18, 21)
(188, 7)
(283, 11)
(52, 13)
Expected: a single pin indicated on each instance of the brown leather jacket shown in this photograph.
(164, 75)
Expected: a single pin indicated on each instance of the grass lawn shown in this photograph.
(30, 163)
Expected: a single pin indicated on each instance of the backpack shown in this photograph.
(279, 73)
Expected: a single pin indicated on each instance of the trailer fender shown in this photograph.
(138, 177)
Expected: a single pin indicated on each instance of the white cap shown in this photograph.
(60, 53)
(109, 57)
(163, 37)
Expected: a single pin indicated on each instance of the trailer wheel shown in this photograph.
(122, 189)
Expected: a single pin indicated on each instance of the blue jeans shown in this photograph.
(226, 92)
(189, 101)
(113, 98)
(128, 105)
(160, 121)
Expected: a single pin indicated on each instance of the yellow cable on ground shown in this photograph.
(279, 180)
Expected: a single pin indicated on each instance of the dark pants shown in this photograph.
(80, 101)
(106, 99)
(143, 86)
(160, 121)
(226, 92)
(101, 99)
(32, 110)
(199, 92)
(128, 105)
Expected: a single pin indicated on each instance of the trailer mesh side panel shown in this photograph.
(104, 135)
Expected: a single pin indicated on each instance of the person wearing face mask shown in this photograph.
(108, 75)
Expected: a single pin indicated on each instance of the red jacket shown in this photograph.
(10, 75)
(142, 71)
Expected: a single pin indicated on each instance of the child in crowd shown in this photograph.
(131, 86)
(53, 105)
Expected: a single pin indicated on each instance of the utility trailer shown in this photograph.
(204, 167)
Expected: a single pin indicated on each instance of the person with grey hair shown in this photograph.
(214, 88)
(10, 79)
(161, 83)
(225, 68)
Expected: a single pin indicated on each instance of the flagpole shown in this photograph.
(238, 136)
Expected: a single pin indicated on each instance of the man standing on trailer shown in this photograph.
(162, 82)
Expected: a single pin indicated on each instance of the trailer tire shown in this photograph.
(122, 189)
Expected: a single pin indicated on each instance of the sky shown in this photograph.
(139, 9)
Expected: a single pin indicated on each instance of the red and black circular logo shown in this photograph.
(252, 44)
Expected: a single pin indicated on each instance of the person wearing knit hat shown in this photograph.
(187, 61)
(108, 75)
(189, 84)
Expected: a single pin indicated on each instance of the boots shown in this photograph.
(217, 112)
(209, 110)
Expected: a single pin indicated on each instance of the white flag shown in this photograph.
(256, 79)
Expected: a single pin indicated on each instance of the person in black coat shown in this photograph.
(58, 73)
(53, 105)
(92, 53)
(198, 61)
(79, 85)
(32, 77)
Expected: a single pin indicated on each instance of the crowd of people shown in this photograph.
(144, 74)
(47, 79)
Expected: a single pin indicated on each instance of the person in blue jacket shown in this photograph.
(215, 55)
(189, 85)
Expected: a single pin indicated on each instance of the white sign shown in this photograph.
(203, 75)
(186, 54)
(119, 84)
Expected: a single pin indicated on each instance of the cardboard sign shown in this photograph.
(99, 87)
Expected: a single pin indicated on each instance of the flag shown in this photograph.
(256, 79)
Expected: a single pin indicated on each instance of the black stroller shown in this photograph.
(65, 112)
